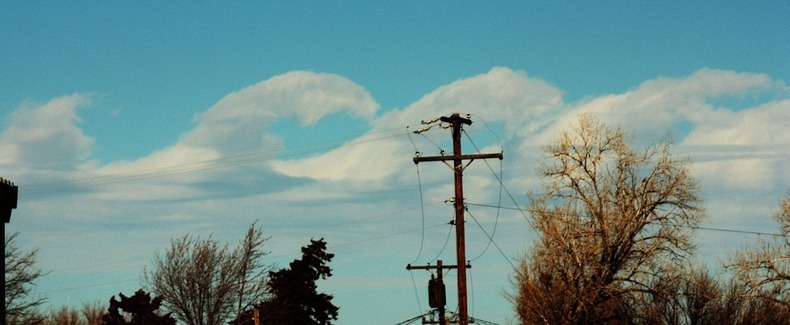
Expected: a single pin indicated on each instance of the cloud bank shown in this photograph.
(232, 168)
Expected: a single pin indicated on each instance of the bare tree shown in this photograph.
(612, 221)
(21, 305)
(89, 314)
(691, 296)
(204, 283)
(64, 316)
(92, 313)
(765, 268)
(252, 278)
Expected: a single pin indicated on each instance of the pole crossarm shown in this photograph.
(433, 267)
(418, 159)
(455, 118)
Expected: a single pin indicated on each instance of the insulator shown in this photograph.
(430, 121)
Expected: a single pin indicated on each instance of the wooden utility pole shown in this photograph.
(456, 123)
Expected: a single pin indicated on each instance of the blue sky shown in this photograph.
(220, 114)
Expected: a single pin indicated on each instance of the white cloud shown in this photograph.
(746, 174)
(46, 136)
(764, 125)
(501, 95)
(657, 108)
(237, 129)
(241, 120)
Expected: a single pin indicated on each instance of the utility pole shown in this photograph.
(456, 123)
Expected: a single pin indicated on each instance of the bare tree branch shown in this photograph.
(204, 283)
(21, 304)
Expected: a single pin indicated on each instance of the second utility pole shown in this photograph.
(456, 122)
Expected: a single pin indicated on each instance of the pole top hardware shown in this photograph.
(9, 194)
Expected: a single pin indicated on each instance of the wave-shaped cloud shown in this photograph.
(241, 120)
(531, 112)
(225, 171)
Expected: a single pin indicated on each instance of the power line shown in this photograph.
(422, 204)
(446, 240)
(683, 226)
(96, 285)
(501, 185)
(739, 231)
(416, 293)
(278, 235)
(492, 239)
(383, 237)
(224, 162)
(507, 191)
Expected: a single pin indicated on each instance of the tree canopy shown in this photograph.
(205, 283)
(612, 222)
(764, 269)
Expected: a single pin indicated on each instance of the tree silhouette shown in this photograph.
(612, 222)
(294, 297)
(141, 308)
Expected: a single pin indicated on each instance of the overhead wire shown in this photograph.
(489, 128)
(431, 124)
(441, 150)
(491, 238)
(416, 292)
(278, 235)
(523, 211)
(501, 182)
(353, 243)
(94, 266)
(471, 292)
(422, 203)
(447, 240)
(95, 285)
(490, 168)
(413, 319)
(682, 226)
(223, 162)
(211, 164)
(382, 237)
(501, 185)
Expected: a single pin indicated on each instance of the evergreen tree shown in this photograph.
(294, 297)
